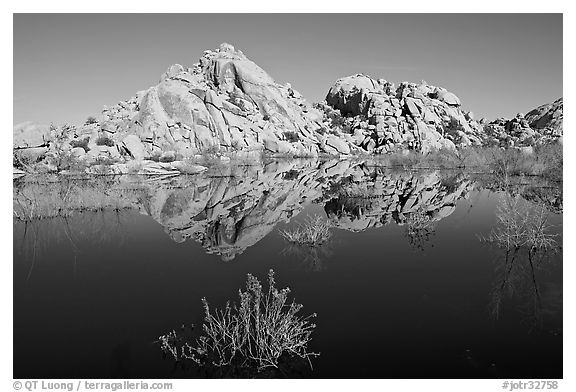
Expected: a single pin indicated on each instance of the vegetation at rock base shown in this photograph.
(545, 161)
(256, 333)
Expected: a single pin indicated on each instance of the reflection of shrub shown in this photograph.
(256, 333)
(310, 257)
(419, 229)
(315, 232)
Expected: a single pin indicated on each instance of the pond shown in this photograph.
(415, 281)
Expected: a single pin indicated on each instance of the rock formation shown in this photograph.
(223, 104)
(226, 104)
(541, 125)
(377, 117)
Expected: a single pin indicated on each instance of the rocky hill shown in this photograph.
(226, 104)
(223, 104)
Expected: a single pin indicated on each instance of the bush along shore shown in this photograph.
(225, 109)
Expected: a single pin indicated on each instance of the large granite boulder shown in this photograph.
(349, 95)
(224, 103)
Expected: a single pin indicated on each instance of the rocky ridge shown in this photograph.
(227, 105)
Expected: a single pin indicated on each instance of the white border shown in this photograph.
(301, 6)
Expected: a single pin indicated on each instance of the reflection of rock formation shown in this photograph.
(230, 213)
(226, 214)
(375, 198)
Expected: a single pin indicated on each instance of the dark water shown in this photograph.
(404, 289)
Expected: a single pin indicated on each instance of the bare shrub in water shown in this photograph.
(314, 232)
(524, 234)
(257, 333)
(521, 227)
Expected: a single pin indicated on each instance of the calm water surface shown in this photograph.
(404, 289)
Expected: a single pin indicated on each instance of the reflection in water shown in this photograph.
(101, 228)
(110, 227)
(311, 258)
(309, 242)
(524, 235)
(419, 229)
(375, 197)
(229, 214)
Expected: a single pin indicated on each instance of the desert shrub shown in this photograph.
(550, 155)
(105, 161)
(91, 120)
(314, 232)
(105, 141)
(443, 159)
(81, 143)
(291, 136)
(255, 333)
(404, 160)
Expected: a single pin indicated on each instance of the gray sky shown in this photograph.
(66, 67)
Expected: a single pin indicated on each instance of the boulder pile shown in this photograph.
(378, 117)
(223, 104)
(539, 126)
